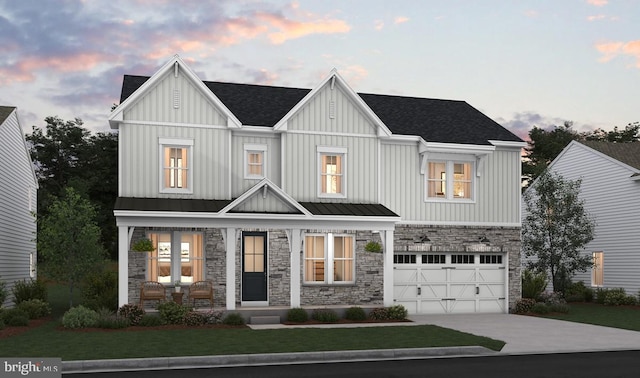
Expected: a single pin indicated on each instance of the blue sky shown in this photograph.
(522, 63)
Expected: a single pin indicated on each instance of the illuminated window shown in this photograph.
(332, 172)
(178, 256)
(175, 166)
(597, 272)
(329, 259)
(255, 161)
(449, 180)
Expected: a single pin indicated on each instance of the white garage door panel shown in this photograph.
(450, 288)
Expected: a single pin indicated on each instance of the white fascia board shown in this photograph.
(455, 148)
(402, 139)
(507, 144)
(261, 131)
(116, 115)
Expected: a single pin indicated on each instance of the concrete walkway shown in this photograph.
(529, 334)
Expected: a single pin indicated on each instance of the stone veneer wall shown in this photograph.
(368, 286)
(466, 239)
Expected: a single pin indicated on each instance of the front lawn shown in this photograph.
(625, 317)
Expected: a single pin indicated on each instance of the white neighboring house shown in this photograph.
(18, 194)
(610, 174)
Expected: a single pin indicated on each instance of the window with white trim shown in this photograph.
(255, 157)
(597, 272)
(178, 256)
(175, 165)
(329, 259)
(450, 180)
(332, 171)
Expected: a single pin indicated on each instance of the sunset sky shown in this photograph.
(523, 63)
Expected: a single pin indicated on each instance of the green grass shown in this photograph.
(610, 316)
(50, 341)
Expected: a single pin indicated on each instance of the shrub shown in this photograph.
(234, 319)
(3, 292)
(551, 298)
(397, 312)
(143, 245)
(149, 320)
(355, 314)
(32, 289)
(559, 307)
(297, 315)
(576, 292)
(618, 297)
(35, 308)
(132, 312)
(194, 318)
(533, 284)
(540, 308)
(100, 289)
(601, 295)
(325, 315)
(172, 313)
(374, 247)
(1, 324)
(213, 317)
(524, 305)
(108, 319)
(379, 313)
(79, 317)
(15, 317)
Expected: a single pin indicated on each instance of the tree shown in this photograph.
(543, 146)
(69, 240)
(631, 133)
(556, 228)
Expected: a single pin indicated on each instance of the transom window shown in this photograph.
(178, 256)
(254, 161)
(175, 158)
(490, 259)
(433, 259)
(404, 259)
(450, 180)
(329, 259)
(331, 180)
(462, 259)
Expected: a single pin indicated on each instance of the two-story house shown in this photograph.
(272, 193)
(18, 204)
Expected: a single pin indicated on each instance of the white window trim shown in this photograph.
(176, 256)
(329, 258)
(249, 148)
(175, 142)
(328, 150)
(449, 182)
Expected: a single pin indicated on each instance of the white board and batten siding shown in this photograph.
(271, 143)
(496, 193)
(317, 125)
(614, 199)
(18, 203)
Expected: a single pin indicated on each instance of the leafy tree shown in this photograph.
(69, 240)
(556, 228)
(543, 146)
(631, 133)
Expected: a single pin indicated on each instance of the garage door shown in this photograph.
(443, 283)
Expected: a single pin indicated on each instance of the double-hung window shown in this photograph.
(450, 180)
(332, 171)
(597, 271)
(329, 259)
(176, 165)
(255, 161)
(178, 256)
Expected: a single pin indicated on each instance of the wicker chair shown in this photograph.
(201, 290)
(152, 291)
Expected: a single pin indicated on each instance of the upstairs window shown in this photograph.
(254, 161)
(331, 178)
(175, 158)
(449, 180)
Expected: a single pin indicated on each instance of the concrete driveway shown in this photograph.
(528, 334)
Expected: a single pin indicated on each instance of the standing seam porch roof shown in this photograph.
(442, 121)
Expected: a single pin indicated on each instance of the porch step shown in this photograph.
(265, 319)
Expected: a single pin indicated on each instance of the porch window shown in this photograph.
(329, 259)
(597, 272)
(175, 158)
(177, 257)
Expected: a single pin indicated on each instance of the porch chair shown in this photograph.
(152, 291)
(201, 290)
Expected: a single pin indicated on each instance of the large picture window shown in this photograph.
(177, 256)
(176, 171)
(329, 259)
(450, 180)
(331, 178)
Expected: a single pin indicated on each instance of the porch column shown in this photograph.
(295, 246)
(387, 239)
(123, 265)
(230, 246)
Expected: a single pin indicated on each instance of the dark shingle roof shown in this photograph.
(170, 204)
(627, 153)
(5, 111)
(444, 121)
(349, 209)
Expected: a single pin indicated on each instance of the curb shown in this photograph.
(132, 364)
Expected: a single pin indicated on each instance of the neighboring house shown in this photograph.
(18, 194)
(610, 174)
(272, 194)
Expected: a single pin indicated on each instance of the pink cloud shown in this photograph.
(596, 17)
(378, 24)
(611, 50)
(289, 29)
(400, 20)
(598, 3)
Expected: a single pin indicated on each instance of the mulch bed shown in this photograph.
(14, 331)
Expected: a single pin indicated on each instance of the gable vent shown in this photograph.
(176, 98)
(332, 109)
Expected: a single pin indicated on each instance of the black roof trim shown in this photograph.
(170, 204)
(348, 209)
